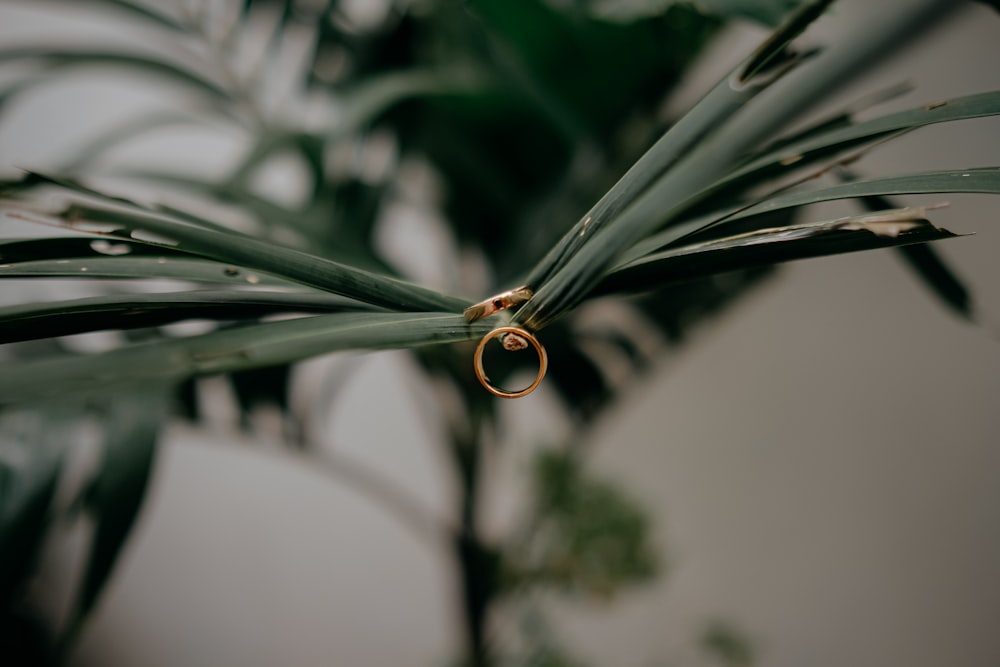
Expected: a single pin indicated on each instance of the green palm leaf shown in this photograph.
(131, 311)
(820, 146)
(230, 350)
(728, 96)
(691, 179)
(983, 180)
(772, 245)
(128, 221)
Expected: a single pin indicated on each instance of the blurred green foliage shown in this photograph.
(586, 536)
(516, 117)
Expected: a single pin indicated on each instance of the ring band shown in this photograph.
(543, 362)
(495, 304)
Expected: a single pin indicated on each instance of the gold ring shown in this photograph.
(514, 338)
(495, 304)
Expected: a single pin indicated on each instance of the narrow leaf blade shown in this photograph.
(818, 146)
(985, 180)
(31, 460)
(131, 311)
(718, 105)
(939, 278)
(772, 245)
(129, 221)
(118, 491)
(251, 346)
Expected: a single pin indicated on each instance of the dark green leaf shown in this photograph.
(985, 180)
(688, 182)
(585, 535)
(251, 346)
(366, 100)
(772, 245)
(117, 492)
(90, 258)
(717, 106)
(727, 645)
(31, 456)
(40, 249)
(141, 268)
(939, 277)
(817, 146)
(840, 118)
(776, 46)
(130, 311)
(834, 121)
(769, 12)
(574, 375)
(134, 223)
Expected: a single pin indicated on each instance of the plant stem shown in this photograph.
(476, 562)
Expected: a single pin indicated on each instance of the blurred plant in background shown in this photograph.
(478, 133)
